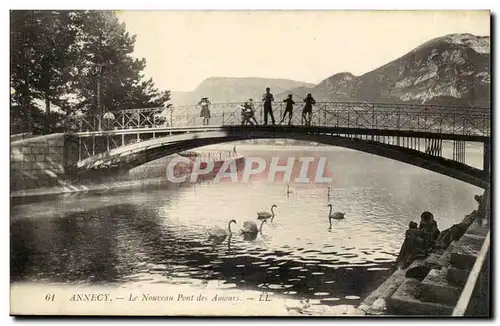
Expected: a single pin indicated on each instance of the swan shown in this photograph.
(251, 227)
(335, 216)
(218, 235)
(266, 215)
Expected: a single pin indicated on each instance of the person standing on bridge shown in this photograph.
(288, 109)
(268, 98)
(251, 108)
(205, 110)
(307, 112)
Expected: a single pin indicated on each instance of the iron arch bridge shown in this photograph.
(413, 134)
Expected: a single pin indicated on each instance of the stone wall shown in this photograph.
(37, 162)
(432, 285)
(42, 164)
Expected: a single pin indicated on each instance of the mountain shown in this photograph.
(449, 70)
(230, 89)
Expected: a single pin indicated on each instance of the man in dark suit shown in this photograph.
(268, 107)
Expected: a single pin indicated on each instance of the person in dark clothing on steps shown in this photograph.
(268, 108)
(307, 112)
(288, 109)
(413, 246)
(429, 228)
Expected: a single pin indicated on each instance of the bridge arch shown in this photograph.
(136, 154)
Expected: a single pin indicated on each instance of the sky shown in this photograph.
(183, 48)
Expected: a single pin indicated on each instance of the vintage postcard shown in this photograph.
(250, 163)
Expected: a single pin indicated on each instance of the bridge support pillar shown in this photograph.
(486, 156)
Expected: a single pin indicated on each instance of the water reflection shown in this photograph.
(163, 236)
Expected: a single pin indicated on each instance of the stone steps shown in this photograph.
(433, 286)
(457, 276)
(405, 302)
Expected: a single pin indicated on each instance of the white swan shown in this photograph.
(218, 235)
(335, 216)
(266, 215)
(250, 227)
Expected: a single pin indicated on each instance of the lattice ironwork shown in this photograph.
(407, 117)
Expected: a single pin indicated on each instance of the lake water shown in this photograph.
(160, 236)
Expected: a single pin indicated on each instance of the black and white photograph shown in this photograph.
(288, 163)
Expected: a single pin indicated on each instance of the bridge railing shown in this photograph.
(424, 118)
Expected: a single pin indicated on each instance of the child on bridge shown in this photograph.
(307, 112)
(289, 109)
(205, 111)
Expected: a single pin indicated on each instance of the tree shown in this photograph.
(84, 56)
(109, 77)
(42, 52)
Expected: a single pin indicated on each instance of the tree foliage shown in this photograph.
(77, 61)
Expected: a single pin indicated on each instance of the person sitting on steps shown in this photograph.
(430, 230)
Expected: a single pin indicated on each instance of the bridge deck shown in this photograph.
(281, 129)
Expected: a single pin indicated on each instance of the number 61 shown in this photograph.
(50, 297)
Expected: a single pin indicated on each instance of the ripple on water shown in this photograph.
(329, 282)
(318, 273)
(180, 267)
(377, 269)
(295, 267)
(240, 266)
(349, 256)
(311, 251)
(227, 285)
(329, 299)
(180, 274)
(273, 267)
(209, 254)
(352, 297)
(276, 286)
(321, 294)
